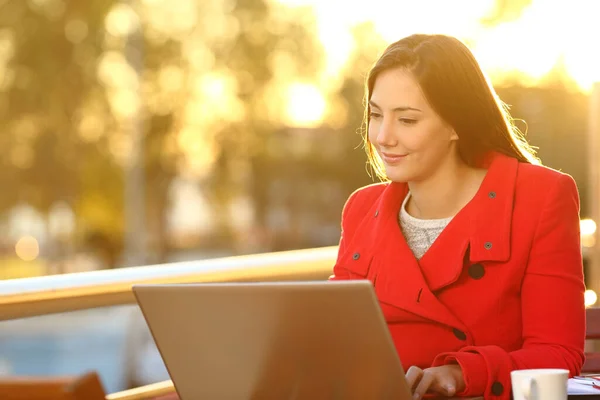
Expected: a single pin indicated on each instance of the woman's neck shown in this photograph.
(445, 193)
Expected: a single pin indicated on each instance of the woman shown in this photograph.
(472, 246)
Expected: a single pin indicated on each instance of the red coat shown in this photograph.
(500, 289)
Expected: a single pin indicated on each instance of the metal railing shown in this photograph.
(29, 297)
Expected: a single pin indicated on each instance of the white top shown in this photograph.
(420, 233)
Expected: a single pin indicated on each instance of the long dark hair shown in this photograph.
(458, 91)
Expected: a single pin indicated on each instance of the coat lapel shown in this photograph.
(491, 214)
(399, 280)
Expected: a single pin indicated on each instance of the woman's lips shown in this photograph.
(392, 159)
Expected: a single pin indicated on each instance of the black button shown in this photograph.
(377, 213)
(487, 245)
(460, 335)
(356, 256)
(492, 195)
(476, 271)
(497, 388)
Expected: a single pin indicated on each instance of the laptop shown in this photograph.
(276, 340)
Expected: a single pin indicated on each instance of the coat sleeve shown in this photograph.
(553, 308)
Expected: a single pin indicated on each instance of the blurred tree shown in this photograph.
(54, 142)
(70, 86)
(160, 170)
(355, 172)
(272, 47)
(312, 171)
(556, 123)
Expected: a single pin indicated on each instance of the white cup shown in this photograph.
(540, 384)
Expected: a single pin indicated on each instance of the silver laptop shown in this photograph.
(284, 340)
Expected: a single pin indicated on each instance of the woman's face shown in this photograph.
(411, 139)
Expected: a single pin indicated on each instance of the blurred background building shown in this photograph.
(150, 131)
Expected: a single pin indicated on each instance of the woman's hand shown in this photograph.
(446, 380)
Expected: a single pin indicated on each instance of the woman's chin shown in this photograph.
(396, 174)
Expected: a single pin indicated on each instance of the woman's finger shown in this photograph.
(413, 376)
(444, 385)
(427, 380)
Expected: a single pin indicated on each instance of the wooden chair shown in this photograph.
(592, 332)
(85, 387)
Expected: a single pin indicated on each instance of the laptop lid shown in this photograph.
(284, 340)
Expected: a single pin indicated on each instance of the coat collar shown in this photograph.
(485, 219)
(480, 232)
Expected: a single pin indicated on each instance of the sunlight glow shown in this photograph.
(114, 71)
(214, 86)
(27, 248)
(582, 61)
(590, 298)
(171, 19)
(200, 150)
(546, 38)
(533, 46)
(306, 105)
(587, 228)
(122, 20)
(124, 103)
(7, 45)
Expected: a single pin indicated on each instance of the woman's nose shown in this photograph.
(386, 136)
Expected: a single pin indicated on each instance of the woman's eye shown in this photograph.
(408, 121)
(373, 114)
